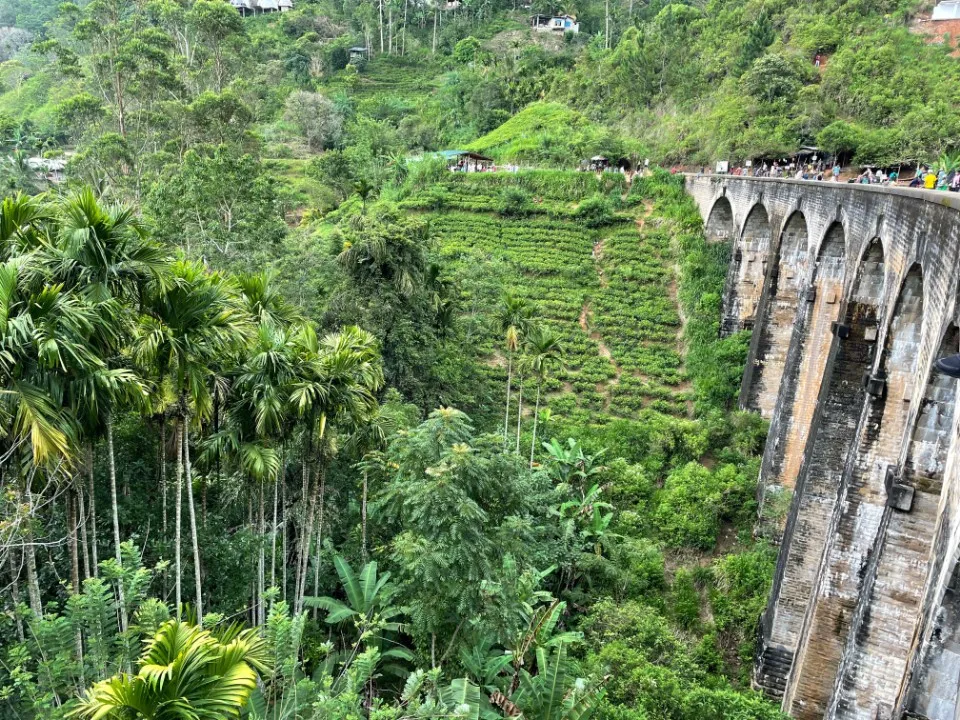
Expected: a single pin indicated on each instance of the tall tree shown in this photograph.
(187, 327)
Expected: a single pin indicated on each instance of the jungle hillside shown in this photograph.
(297, 423)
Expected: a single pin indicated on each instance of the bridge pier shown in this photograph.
(862, 619)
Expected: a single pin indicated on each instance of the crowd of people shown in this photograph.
(931, 179)
(926, 177)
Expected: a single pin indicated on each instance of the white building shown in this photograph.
(555, 23)
(947, 10)
(253, 7)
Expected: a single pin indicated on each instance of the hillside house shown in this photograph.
(947, 10)
(554, 23)
(51, 169)
(258, 7)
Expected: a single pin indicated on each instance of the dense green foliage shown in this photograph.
(449, 444)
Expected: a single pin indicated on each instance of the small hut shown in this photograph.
(554, 23)
(255, 7)
(466, 161)
(599, 163)
(358, 54)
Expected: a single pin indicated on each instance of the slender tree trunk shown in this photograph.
(316, 562)
(307, 544)
(506, 414)
(283, 522)
(178, 520)
(84, 545)
(403, 37)
(194, 540)
(606, 24)
(261, 556)
(303, 542)
(380, 5)
(163, 473)
(116, 521)
(93, 513)
(363, 518)
(519, 412)
(30, 557)
(433, 49)
(536, 412)
(273, 531)
(74, 549)
(15, 591)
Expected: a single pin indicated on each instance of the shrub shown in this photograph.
(594, 211)
(513, 202)
(685, 600)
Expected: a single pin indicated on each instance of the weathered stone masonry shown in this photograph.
(851, 293)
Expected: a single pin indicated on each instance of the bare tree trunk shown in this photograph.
(30, 556)
(307, 544)
(177, 518)
(380, 5)
(116, 521)
(606, 24)
(84, 545)
(194, 540)
(433, 49)
(316, 563)
(506, 414)
(163, 473)
(536, 412)
(72, 534)
(283, 522)
(261, 557)
(403, 37)
(93, 513)
(273, 531)
(519, 412)
(363, 518)
(304, 547)
(15, 591)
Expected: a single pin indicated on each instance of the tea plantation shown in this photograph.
(582, 251)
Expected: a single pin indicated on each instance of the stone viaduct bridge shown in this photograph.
(851, 294)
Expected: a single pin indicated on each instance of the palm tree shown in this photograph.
(104, 253)
(515, 314)
(337, 382)
(185, 673)
(546, 354)
(185, 330)
(362, 188)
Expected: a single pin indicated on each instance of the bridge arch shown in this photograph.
(782, 293)
(720, 227)
(747, 272)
